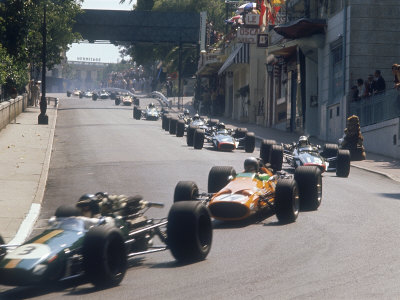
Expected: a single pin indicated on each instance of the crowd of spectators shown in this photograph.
(131, 79)
(373, 85)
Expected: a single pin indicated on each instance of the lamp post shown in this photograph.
(43, 118)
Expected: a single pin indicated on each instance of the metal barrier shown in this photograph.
(49, 99)
(374, 109)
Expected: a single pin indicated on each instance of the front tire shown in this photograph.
(250, 142)
(287, 203)
(343, 163)
(309, 180)
(185, 190)
(180, 128)
(198, 139)
(104, 256)
(189, 231)
(190, 135)
(276, 157)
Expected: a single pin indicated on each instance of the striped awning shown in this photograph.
(240, 55)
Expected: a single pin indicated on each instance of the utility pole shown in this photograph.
(43, 118)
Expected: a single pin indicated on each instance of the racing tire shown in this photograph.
(185, 190)
(167, 120)
(138, 113)
(343, 163)
(309, 181)
(329, 150)
(189, 231)
(65, 211)
(104, 256)
(94, 97)
(68, 94)
(136, 101)
(265, 150)
(164, 121)
(287, 203)
(80, 95)
(117, 102)
(213, 122)
(250, 142)
(3, 250)
(219, 177)
(190, 135)
(172, 125)
(198, 139)
(240, 133)
(276, 157)
(180, 128)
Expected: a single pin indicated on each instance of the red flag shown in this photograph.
(263, 9)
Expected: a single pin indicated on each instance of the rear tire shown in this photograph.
(240, 133)
(104, 256)
(172, 125)
(117, 102)
(287, 204)
(65, 211)
(189, 231)
(185, 190)
(213, 122)
(198, 139)
(265, 150)
(309, 181)
(276, 157)
(329, 150)
(190, 135)
(180, 128)
(218, 177)
(250, 142)
(343, 163)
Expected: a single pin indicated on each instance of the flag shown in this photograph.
(262, 8)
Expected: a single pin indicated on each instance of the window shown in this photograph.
(336, 84)
(335, 6)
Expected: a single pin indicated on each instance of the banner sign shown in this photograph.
(247, 35)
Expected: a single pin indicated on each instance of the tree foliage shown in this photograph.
(21, 29)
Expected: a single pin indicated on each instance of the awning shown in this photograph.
(209, 69)
(287, 48)
(301, 28)
(238, 56)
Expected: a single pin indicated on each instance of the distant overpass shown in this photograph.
(139, 26)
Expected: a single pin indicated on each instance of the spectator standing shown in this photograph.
(369, 85)
(396, 75)
(35, 93)
(354, 93)
(380, 84)
(361, 88)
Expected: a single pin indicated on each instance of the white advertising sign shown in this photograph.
(247, 35)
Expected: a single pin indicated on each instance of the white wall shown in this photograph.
(379, 138)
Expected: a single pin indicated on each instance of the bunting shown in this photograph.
(273, 7)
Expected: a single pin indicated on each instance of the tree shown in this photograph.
(21, 28)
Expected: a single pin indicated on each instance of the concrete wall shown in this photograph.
(383, 138)
(9, 110)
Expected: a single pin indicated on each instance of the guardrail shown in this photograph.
(377, 108)
(160, 96)
(54, 99)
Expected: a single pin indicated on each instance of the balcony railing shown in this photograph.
(377, 108)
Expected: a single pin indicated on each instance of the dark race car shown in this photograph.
(327, 158)
(99, 247)
(224, 139)
(235, 196)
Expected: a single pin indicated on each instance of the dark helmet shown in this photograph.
(251, 165)
(89, 202)
(221, 125)
(186, 112)
(151, 104)
(303, 141)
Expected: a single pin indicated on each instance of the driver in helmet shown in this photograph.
(151, 105)
(89, 205)
(252, 165)
(303, 142)
(196, 117)
(186, 112)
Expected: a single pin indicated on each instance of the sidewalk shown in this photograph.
(376, 163)
(25, 150)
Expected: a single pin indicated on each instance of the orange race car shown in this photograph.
(236, 196)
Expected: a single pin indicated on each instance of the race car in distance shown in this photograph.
(327, 158)
(235, 196)
(104, 94)
(123, 98)
(224, 139)
(149, 113)
(75, 92)
(98, 240)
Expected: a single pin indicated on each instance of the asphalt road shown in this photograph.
(348, 249)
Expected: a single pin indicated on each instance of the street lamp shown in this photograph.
(43, 118)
